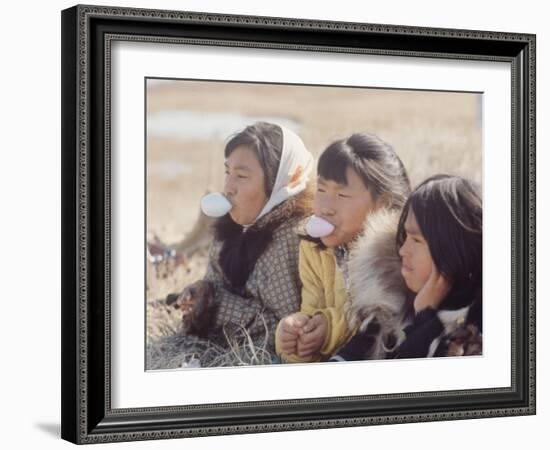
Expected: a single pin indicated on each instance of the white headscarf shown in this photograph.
(294, 170)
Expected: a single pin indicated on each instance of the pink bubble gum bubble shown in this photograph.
(317, 227)
(215, 205)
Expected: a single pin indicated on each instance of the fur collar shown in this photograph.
(241, 248)
(452, 319)
(460, 336)
(379, 297)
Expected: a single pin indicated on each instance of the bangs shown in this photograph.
(374, 161)
(448, 212)
(334, 162)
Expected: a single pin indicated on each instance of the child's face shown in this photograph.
(244, 185)
(345, 206)
(416, 259)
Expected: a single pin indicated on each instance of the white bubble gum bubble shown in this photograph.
(215, 205)
(318, 227)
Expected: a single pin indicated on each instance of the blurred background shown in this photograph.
(188, 123)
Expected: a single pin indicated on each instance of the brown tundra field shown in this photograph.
(188, 123)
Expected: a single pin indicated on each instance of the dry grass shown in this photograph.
(173, 351)
(164, 279)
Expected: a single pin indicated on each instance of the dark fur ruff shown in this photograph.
(241, 249)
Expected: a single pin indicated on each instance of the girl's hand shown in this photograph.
(433, 292)
(289, 331)
(312, 336)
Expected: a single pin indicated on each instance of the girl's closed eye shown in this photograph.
(413, 237)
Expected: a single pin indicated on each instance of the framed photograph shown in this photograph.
(267, 222)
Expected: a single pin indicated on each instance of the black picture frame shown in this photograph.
(87, 415)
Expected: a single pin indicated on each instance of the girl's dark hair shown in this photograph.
(266, 141)
(449, 214)
(374, 161)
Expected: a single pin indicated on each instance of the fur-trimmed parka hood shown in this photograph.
(378, 293)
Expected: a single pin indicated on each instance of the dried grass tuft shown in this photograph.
(180, 351)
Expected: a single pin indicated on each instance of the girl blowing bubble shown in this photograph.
(357, 177)
(251, 279)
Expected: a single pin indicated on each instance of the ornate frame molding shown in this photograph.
(86, 421)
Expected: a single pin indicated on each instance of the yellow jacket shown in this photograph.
(323, 292)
